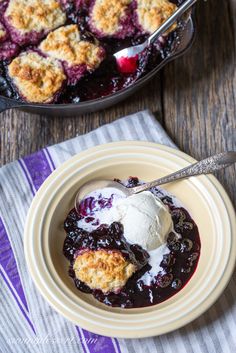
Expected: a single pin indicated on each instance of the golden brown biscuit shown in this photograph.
(37, 79)
(152, 13)
(106, 15)
(105, 270)
(25, 16)
(65, 44)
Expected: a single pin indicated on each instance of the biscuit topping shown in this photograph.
(34, 15)
(38, 79)
(65, 44)
(107, 14)
(104, 270)
(152, 13)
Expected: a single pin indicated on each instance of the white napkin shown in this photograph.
(27, 322)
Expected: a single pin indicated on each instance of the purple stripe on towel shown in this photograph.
(8, 262)
(38, 167)
(11, 277)
(99, 344)
(27, 176)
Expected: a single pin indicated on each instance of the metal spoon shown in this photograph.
(206, 166)
(132, 53)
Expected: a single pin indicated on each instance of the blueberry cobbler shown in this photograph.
(131, 251)
(61, 51)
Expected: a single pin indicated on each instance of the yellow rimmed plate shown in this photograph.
(204, 198)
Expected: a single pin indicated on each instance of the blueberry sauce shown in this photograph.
(107, 79)
(176, 266)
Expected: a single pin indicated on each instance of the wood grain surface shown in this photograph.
(194, 98)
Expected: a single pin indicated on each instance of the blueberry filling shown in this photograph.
(177, 266)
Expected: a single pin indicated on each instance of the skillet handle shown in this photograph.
(6, 104)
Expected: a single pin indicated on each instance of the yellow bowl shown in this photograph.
(203, 197)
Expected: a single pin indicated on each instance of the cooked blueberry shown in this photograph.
(181, 222)
(116, 229)
(89, 219)
(172, 238)
(168, 260)
(5, 88)
(167, 200)
(186, 269)
(132, 182)
(164, 281)
(175, 247)
(87, 206)
(176, 284)
(186, 244)
(193, 256)
(141, 255)
(81, 286)
(69, 249)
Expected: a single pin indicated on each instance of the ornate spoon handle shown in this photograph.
(206, 166)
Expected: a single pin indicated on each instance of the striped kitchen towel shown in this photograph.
(27, 322)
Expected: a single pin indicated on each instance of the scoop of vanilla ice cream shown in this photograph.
(146, 220)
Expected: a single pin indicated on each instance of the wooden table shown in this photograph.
(194, 98)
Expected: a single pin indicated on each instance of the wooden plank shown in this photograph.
(200, 89)
(22, 133)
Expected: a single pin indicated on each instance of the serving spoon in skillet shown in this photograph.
(126, 59)
(205, 166)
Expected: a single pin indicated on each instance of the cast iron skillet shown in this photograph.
(105, 102)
